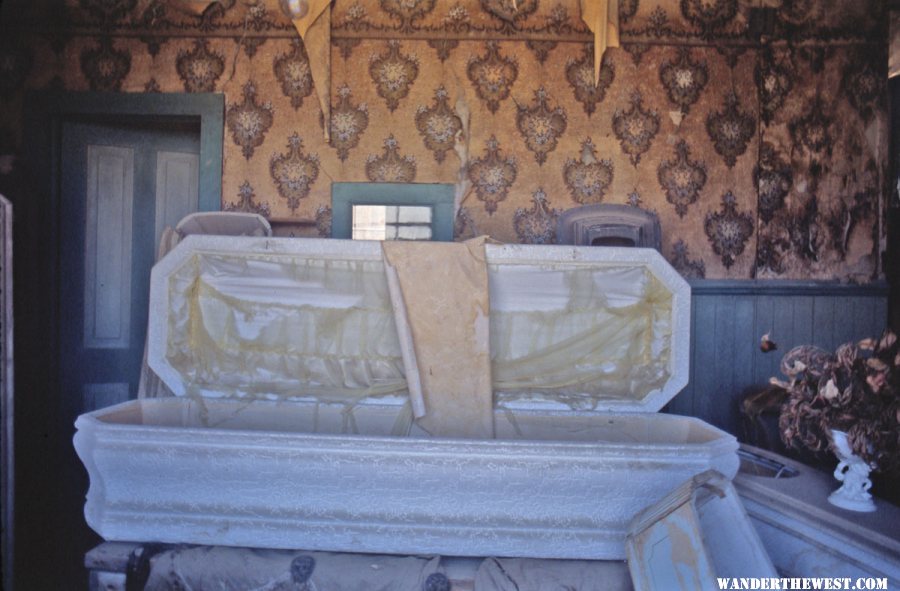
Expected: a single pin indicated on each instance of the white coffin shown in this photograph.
(254, 451)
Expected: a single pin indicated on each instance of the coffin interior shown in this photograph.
(571, 328)
(380, 419)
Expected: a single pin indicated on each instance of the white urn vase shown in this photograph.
(853, 472)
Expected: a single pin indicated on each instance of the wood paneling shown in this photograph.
(728, 319)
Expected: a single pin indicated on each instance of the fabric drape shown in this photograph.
(315, 29)
(445, 291)
(602, 18)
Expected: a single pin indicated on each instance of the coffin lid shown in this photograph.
(294, 319)
(696, 534)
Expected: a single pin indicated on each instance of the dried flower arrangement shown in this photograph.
(855, 390)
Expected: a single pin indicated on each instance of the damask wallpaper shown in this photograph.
(756, 130)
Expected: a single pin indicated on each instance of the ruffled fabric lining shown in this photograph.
(281, 328)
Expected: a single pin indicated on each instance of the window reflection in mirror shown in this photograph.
(391, 222)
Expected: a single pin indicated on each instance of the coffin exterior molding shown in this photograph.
(379, 494)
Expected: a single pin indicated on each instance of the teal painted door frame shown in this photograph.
(46, 111)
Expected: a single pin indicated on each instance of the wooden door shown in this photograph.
(121, 185)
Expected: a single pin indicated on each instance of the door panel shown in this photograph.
(107, 251)
(177, 182)
(121, 184)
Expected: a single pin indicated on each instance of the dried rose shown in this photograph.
(846, 354)
(848, 392)
(876, 364)
(876, 381)
(830, 391)
(887, 340)
(806, 358)
(846, 396)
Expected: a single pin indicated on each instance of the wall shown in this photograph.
(760, 138)
(728, 318)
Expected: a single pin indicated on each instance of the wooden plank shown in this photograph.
(823, 322)
(802, 318)
(766, 364)
(702, 323)
(880, 310)
(705, 381)
(780, 287)
(863, 315)
(719, 408)
(843, 320)
(746, 350)
(780, 321)
(783, 322)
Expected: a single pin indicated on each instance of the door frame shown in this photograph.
(42, 426)
(45, 112)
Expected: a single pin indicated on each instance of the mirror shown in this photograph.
(391, 222)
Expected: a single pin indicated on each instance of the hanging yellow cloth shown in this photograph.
(315, 30)
(444, 287)
(602, 18)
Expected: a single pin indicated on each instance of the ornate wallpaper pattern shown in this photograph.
(763, 152)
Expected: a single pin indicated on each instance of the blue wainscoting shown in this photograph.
(729, 317)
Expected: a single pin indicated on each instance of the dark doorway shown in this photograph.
(103, 174)
(122, 183)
